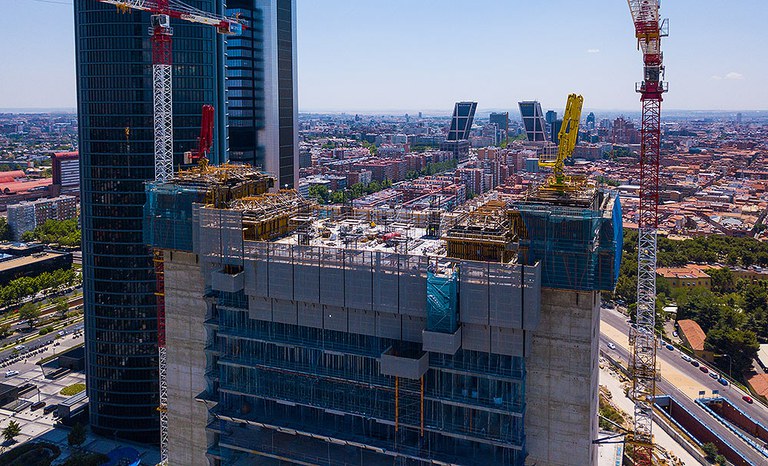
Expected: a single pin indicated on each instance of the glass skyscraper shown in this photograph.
(261, 88)
(114, 87)
(533, 121)
(461, 122)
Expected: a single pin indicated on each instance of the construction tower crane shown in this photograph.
(649, 30)
(162, 93)
(569, 132)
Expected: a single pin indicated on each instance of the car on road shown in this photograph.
(694, 363)
(38, 405)
(62, 333)
(670, 347)
(714, 375)
(11, 373)
(611, 346)
(19, 347)
(723, 382)
(748, 399)
(685, 357)
(674, 334)
(704, 369)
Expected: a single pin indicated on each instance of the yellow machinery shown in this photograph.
(569, 131)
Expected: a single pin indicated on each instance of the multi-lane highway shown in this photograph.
(683, 381)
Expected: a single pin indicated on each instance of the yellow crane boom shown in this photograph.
(569, 132)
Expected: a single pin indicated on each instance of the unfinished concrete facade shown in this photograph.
(339, 341)
(562, 389)
(185, 343)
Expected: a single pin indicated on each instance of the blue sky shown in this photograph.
(411, 55)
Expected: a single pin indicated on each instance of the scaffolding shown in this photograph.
(168, 211)
(442, 302)
(578, 240)
(484, 234)
(270, 215)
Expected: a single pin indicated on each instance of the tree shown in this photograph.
(701, 305)
(741, 345)
(320, 193)
(5, 230)
(61, 306)
(11, 430)
(710, 450)
(5, 330)
(723, 280)
(30, 313)
(76, 437)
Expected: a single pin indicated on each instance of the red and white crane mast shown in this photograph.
(649, 30)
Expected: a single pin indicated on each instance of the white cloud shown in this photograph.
(733, 76)
(593, 50)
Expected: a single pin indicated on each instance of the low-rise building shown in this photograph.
(693, 336)
(685, 277)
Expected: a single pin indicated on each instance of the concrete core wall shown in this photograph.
(185, 313)
(562, 380)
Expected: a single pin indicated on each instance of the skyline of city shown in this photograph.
(235, 261)
(414, 65)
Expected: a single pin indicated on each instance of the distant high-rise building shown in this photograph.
(555, 131)
(533, 120)
(116, 145)
(65, 168)
(262, 88)
(502, 120)
(591, 121)
(739, 117)
(551, 117)
(624, 132)
(461, 122)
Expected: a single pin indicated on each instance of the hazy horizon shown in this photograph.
(409, 55)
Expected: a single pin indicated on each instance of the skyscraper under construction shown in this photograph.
(307, 335)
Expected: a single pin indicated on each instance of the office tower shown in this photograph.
(533, 121)
(323, 348)
(115, 112)
(591, 121)
(262, 89)
(739, 118)
(551, 117)
(461, 122)
(502, 120)
(554, 134)
(457, 141)
(65, 168)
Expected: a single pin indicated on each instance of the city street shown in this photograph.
(684, 382)
(40, 426)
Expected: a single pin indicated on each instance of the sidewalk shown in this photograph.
(609, 378)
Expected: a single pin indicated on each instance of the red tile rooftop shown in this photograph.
(693, 334)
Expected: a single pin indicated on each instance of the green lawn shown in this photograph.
(73, 389)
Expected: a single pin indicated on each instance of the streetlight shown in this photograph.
(730, 364)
